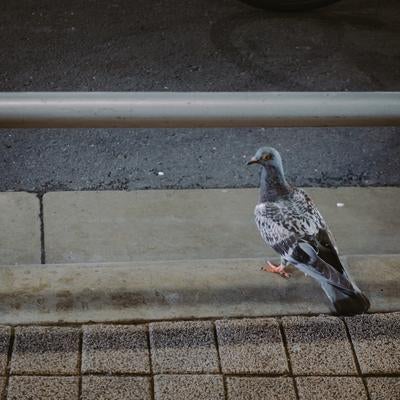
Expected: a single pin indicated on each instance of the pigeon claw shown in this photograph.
(276, 269)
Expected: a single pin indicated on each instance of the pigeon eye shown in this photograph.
(267, 157)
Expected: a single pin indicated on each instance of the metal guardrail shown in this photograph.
(197, 109)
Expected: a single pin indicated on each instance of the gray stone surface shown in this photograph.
(20, 228)
(251, 346)
(378, 277)
(45, 350)
(5, 334)
(43, 388)
(202, 224)
(150, 225)
(260, 388)
(331, 388)
(188, 387)
(185, 289)
(115, 349)
(384, 388)
(376, 340)
(318, 345)
(179, 347)
(115, 388)
(2, 388)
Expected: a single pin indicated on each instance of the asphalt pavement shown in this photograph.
(193, 45)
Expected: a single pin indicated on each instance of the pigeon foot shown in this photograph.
(276, 269)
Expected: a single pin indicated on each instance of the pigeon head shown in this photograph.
(267, 156)
(273, 184)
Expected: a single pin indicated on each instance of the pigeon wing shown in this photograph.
(295, 229)
(282, 224)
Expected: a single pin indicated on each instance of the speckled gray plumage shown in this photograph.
(281, 223)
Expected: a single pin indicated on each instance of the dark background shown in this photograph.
(195, 45)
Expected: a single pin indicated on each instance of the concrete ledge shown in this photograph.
(77, 293)
(164, 225)
(20, 228)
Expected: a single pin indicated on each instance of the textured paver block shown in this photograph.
(20, 228)
(257, 388)
(115, 349)
(251, 346)
(2, 387)
(318, 345)
(188, 387)
(331, 388)
(5, 334)
(116, 388)
(384, 388)
(187, 346)
(43, 388)
(45, 350)
(376, 339)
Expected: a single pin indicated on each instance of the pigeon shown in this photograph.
(291, 224)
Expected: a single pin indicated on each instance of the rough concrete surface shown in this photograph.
(150, 225)
(188, 45)
(203, 224)
(384, 388)
(331, 388)
(45, 350)
(318, 346)
(251, 346)
(376, 340)
(115, 349)
(182, 347)
(20, 228)
(257, 388)
(384, 287)
(177, 290)
(188, 387)
(2, 388)
(43, 388)
(5, 336)
(115, 388)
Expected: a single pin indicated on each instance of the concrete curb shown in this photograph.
(138, 291)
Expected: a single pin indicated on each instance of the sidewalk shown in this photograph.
(234, 359)
(158, 295)
(160, 225)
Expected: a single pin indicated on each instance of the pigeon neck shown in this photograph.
(273, 184)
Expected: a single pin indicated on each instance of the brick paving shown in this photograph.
(43, 387)
(251, 346)
(255, 388)
(331, 388)
(5, 335)
(116, 388)
(41, 350)
(376, 339)
(318, 346)
(299, 358)
(188, 387)
(183, 347)
(115, 349)
(384, 388)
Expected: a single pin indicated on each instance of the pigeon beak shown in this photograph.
(253, 160)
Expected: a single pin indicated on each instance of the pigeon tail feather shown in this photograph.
(345, 296)
(346, 302)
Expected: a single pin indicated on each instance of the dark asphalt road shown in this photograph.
(199, 45)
